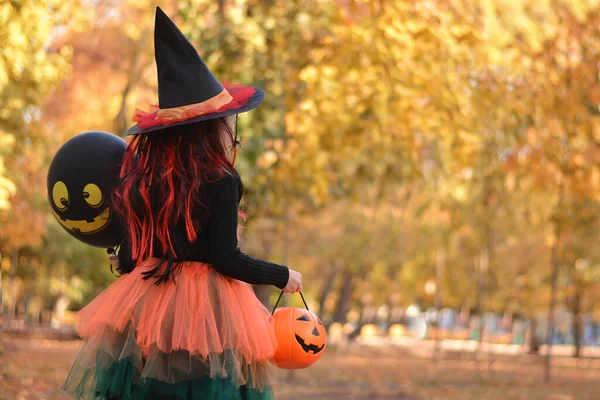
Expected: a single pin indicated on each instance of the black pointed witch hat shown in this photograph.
(188, 92)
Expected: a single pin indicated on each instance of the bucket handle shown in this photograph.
(279, 298)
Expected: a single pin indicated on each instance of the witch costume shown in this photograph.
(203, 335)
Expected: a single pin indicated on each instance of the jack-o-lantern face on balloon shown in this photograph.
(81, 178)
(301, 338)
(76, 203)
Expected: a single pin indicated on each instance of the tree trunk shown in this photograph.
(440, 270)
(12, 312)
(483, 265)
(343, 304)
(552, 305)
(286, 239)
(534, 344)
(577, 325)
(134, 74)
(326, 289)
(388, 320)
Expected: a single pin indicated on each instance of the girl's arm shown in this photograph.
(225, 255)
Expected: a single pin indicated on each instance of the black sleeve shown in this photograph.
(225, 254)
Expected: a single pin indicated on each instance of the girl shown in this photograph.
(182, 322)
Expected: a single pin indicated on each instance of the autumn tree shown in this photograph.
(29, 70)
(560, 149)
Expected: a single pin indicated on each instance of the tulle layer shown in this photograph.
(110, 366)
(203, 312)
(204, 333)
(237, 96)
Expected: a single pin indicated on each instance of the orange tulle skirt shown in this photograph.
(202, 325)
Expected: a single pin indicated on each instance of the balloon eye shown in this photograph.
(92, 195)
(60, 195)
(303, 318)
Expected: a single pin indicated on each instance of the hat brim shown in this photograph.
(250, 105)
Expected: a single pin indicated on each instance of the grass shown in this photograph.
(35, 369)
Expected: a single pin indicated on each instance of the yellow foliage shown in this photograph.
(361, 102)
(29, 69)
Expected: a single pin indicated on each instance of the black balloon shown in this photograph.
(81, 179)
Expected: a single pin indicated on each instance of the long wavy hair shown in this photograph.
(161, 180)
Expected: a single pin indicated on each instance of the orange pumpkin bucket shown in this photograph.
(301, 337)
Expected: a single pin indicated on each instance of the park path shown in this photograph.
(34, 369)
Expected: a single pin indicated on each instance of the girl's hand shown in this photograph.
(294, 282)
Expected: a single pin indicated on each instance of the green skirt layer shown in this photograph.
(117, 382)
(110, 366)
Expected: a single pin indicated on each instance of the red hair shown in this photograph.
(161, 177)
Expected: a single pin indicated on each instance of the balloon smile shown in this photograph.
(85, 226)
(308, 347)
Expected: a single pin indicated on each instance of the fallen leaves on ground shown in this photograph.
(35, 370)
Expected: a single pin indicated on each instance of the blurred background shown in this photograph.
(432, 168)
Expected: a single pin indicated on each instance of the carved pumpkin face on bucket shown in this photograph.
(301, 338)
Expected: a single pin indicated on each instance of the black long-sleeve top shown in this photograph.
(217, 242)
